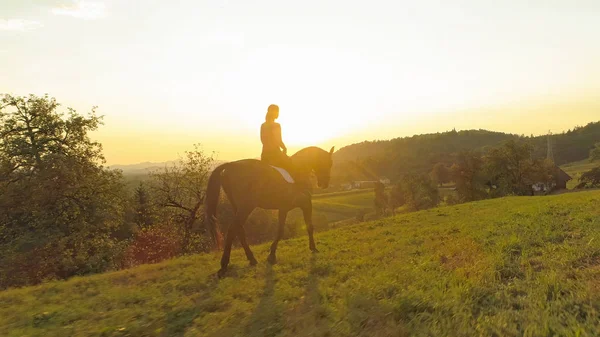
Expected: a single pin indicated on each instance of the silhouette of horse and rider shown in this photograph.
(252, 183)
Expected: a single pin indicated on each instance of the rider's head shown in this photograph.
(272, 112)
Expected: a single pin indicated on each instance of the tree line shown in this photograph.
(509, 169)
(397, 157)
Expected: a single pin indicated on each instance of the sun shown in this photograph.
(309, 129)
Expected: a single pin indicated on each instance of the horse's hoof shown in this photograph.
(314, 250)
(272, 259)
(221, 272)
(253, 262)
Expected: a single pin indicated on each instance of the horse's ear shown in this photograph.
(331, 151)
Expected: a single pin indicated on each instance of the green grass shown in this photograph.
(575, 170)
(518, 266)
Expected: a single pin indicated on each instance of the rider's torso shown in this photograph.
(269, 135)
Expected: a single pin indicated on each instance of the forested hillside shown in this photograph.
(419, 153)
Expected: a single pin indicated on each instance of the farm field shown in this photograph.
(516, 266)
(344, 205)
(575, 170)
(327, 209)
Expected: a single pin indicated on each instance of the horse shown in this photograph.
(251, 183)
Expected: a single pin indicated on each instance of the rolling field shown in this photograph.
(327, 209)
(344, 205)
(575, 170)
(518, 266)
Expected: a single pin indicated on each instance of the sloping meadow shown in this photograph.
(519, 266)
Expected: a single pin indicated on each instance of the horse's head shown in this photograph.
(322, 168)
(314, 160)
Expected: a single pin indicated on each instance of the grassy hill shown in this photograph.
(504, 267)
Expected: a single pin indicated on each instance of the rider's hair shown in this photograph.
(272, 112)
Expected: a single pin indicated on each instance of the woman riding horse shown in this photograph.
(250, 183)
(274, 151)
(270, 136)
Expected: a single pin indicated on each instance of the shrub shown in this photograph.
(152, 245)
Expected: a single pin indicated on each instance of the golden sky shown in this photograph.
(167, 75)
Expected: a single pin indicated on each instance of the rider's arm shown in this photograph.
(278, 137)
(263, 136)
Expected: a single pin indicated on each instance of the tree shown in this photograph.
(58, 205)
(416, 191)
(145, 215)
(468, 175)
(595, 153)
(590, 178)
(440, 174)
(382, 200)
(397, 196)
(420, 192)
(511, 168)
(181, 188)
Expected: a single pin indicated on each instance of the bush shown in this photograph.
(27, 263)
(152, 245)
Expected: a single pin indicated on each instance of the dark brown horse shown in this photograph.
(251, 183)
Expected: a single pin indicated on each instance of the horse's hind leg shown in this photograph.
(272, 257)
(231, 233)
(234, 229)
(242, 236)
(242, 233)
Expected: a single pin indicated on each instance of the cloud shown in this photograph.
(19, 25)
(82, 9)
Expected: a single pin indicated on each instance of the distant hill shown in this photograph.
(141, 168)
(144, 168)
(392, 158)
(419, 153)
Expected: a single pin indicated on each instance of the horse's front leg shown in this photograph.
(282, 217)
(307, 212)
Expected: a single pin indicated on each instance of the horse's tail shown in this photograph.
(213, 190)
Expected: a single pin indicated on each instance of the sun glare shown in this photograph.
(304, 132)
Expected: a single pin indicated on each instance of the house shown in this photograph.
(364, 184)
(346, 186)
(560, 177)
(560, 182)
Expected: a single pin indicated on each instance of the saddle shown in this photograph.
(285, 174)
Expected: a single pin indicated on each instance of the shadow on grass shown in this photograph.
(266, 319)
(271, 317)
(178, 321)
(311, 316)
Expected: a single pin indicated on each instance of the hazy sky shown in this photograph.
(168, 74)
